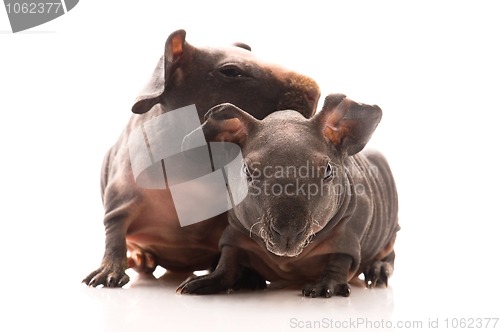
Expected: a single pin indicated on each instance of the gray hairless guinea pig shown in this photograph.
(318, 211)
(144, 221)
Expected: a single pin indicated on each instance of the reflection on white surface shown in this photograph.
(151, 304)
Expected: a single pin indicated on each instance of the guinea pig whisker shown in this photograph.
(315, 223)
(256, 223)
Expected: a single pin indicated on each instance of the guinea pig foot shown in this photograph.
(208, 284)
(108, 275)
(327, 289)
(142, 261)
(377, 275)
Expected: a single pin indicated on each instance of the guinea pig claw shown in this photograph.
(327, 289)
(116, 281)
(181, 287)
(342, 290)
(207, 284)
(377, 275)
(108, 276)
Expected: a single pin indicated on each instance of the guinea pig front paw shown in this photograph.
(108, 275)
(327, 288)
(377, 274)
(208, 284)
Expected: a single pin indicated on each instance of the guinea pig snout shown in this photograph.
(287, 242)
(283, 233)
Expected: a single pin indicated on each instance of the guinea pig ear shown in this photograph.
(175, 48)
(347, 124)
(227, 123)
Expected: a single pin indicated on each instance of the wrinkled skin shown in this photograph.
(144, 221)
(319, 211)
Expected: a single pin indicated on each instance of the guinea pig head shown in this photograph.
(208, 76)
(293, 167)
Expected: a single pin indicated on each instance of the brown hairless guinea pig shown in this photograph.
(318, 210)
(144, 221)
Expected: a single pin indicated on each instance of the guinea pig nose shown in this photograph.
(275, 230)
(301, 233)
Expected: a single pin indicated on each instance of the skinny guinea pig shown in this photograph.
(318, 210)
(144, 221)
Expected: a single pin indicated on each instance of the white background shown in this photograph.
(66, 89)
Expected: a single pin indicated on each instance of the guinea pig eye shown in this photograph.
(328, 175)
(231, 71)
(247, 173)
